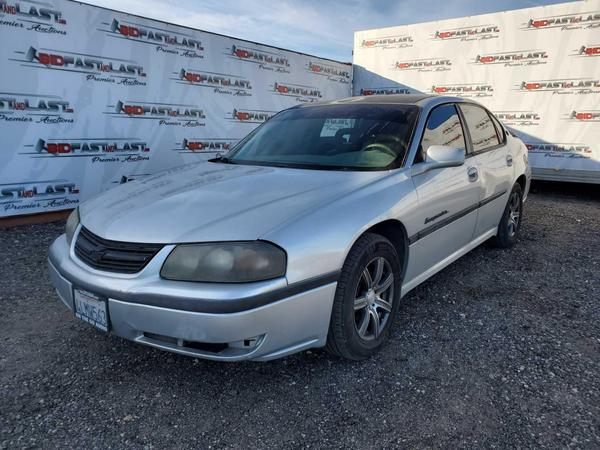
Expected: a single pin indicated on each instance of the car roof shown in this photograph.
(399, 99)
(392, 98)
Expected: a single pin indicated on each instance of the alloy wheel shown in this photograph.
(514, 213)
(373, 298)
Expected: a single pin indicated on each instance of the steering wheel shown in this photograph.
(379, 146)
(390, 137)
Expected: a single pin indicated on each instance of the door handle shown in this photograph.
(473, 174)
(509, 160)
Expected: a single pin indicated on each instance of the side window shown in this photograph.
(481, 127)
(499, 128)
(443, 128)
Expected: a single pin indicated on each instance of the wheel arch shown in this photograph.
(522, 180)
(395, 232)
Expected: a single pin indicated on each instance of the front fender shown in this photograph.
(318, 242)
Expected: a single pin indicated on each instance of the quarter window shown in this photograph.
(499, 128)
(481, 128)
(443, 128)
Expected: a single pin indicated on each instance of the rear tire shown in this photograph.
(366, 299)
(510, 224)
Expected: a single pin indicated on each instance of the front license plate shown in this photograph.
(91, 309)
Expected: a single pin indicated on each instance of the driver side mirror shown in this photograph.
(439, 156)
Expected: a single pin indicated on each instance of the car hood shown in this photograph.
(214, 202)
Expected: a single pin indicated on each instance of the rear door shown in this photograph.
(448, 199)
(493, 161)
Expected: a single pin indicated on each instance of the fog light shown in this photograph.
(248, 343)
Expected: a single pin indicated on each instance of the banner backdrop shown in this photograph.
(90, 98)
(537, 69)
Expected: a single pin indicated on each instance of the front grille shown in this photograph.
(113, 256)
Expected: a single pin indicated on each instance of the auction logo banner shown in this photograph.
(94, 67)
(161, 39)
(579, 86)
(465, 34)
(536, 68)
(424, 65)
(518, 118)
(301, 93)
(565, 22)
(46, 195)
(95, 97)
(34, 108)
(467, 90)
(385, 91)
(560, 150)
(205, 145)
(332, 72)
(167, 114)
(512, 59)
(388, 42)
(221, 83)
(583, 116)
(588, 51)
(99, 150)
(29, 15)
(255, 116)
(265, 60)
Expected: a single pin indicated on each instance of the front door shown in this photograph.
(448, 200)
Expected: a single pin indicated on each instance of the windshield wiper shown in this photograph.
(222, 159)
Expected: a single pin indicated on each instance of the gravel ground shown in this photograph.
(501, 349)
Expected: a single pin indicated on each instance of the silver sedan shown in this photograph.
(307, 234)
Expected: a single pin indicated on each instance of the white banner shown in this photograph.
(537, 69)
(90, 98)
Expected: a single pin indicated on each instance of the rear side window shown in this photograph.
(499, 128)
(443, 128)
(482, 129)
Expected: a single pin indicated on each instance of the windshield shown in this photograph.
(338, 137)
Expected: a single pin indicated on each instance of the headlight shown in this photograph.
(231, 262)
(72, 223)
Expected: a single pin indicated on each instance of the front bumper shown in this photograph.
(214, 321)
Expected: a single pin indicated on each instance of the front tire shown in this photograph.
(510, 224)
(366, 299)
